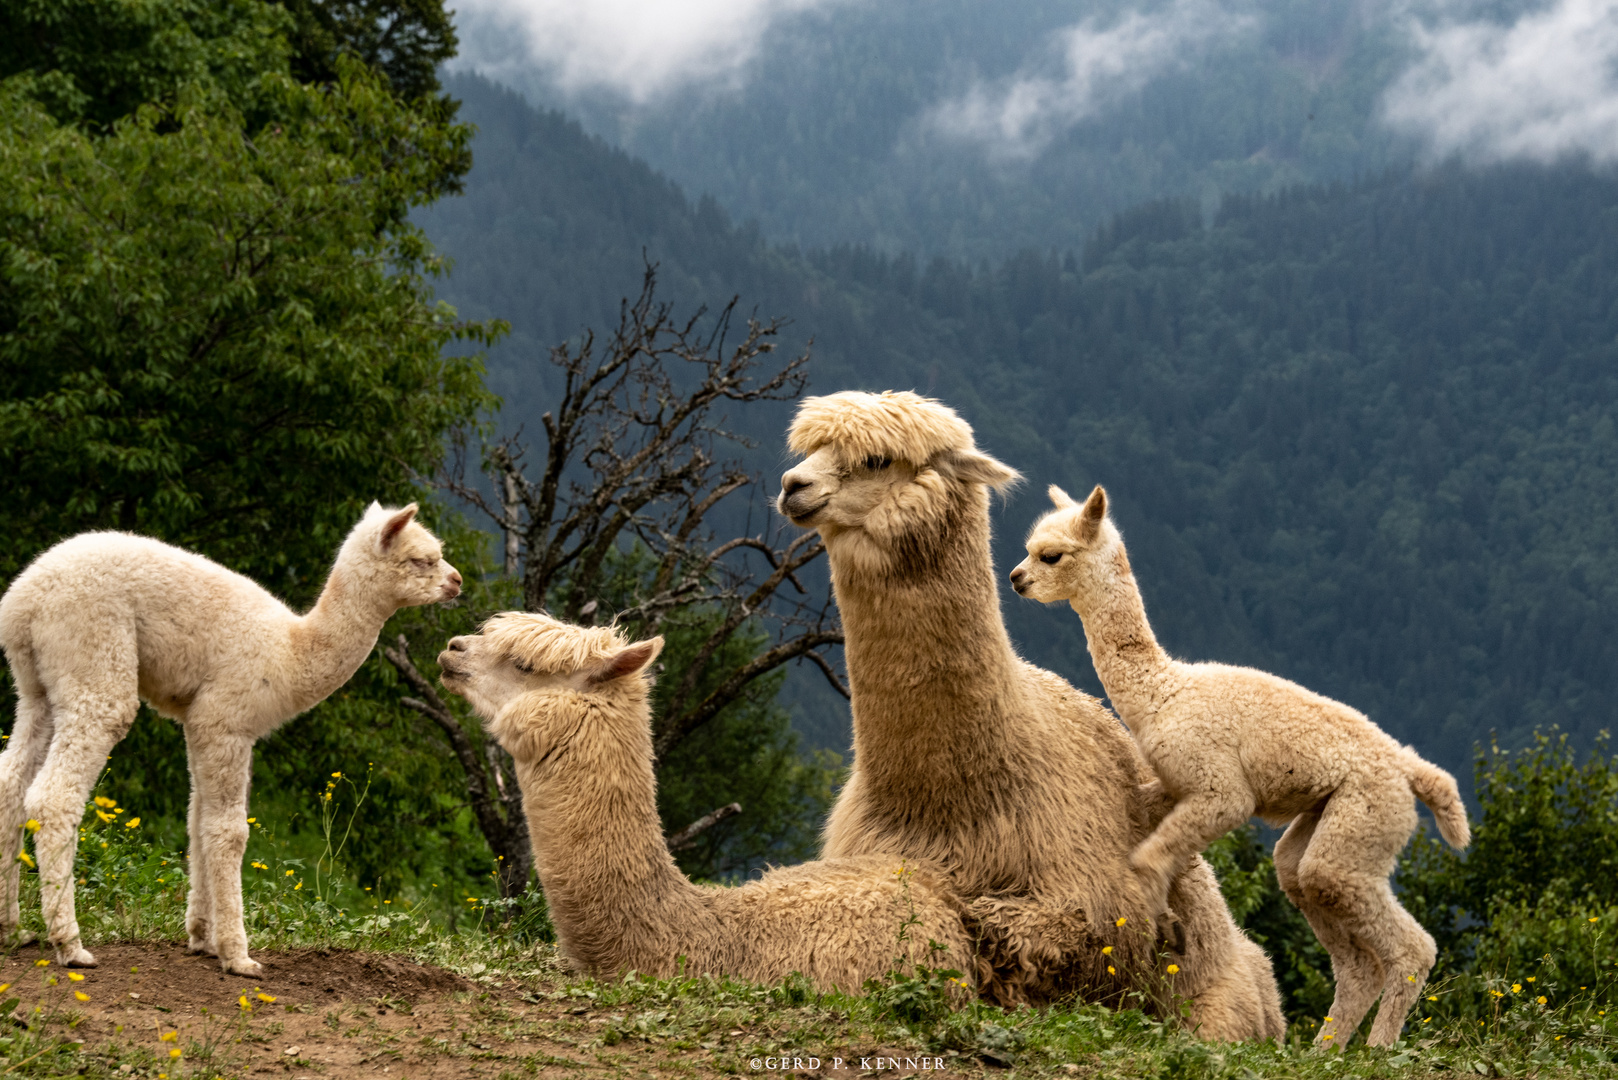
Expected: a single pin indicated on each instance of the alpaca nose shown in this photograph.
(455, 578)
(791, 485)
(1018, 576)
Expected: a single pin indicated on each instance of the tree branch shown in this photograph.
(687, 837)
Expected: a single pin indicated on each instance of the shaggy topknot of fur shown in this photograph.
(547, 644)
(895, 423)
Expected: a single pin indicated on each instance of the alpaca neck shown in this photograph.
(331, 641)
(615, 896)
(1132, 666)
(928, 655)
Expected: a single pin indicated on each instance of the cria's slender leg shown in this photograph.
(221, 770)
(1344, 875)
(1356, 971)
(89, 724)
(199, 917)
(19, 764)
(1196, 821)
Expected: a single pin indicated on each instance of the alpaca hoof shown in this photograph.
(77, 956)
(201, 948)
(244, 965)
(17, 939)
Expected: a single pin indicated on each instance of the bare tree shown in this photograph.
(628, 469)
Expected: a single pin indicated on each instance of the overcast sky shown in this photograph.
(1541, 87)
(639, 48)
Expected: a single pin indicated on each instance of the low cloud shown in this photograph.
(637, 48)
(1100, 65)
(1541, 88)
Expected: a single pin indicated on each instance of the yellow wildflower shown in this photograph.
(4, 987)
(336, 775)
(1531, 978)
(81, 995)
(75, 976)
(271, 1000)
(31, 825)
(1121, 921)
(23, 856)
(289, 872)
(1427, 1020)
(105, 803)
(252, 820)
(1542, 999)
(298, 886)
(1174, 969)
(1412, 978)
(42, 963)
(1516, 988)
(242, 1001)
(1111, 970)
(1432, 997)
(175, 1053)
(170, 1037)
(1106, 950)
(132, 823)
(1595, 920)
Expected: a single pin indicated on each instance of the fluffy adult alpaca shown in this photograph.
(1229, 742)
(1028, 793)
(570, 704)
(104, 620)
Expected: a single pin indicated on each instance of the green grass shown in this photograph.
(135, 891)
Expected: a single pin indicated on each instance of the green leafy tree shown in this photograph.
(204, 333)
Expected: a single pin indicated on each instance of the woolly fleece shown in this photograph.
(1230, 742)
(105, 620)
(1027, 793)
(571, 705)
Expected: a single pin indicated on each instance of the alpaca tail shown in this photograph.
(1438, 790)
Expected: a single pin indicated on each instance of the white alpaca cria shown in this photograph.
(1230, 742)
(105, 620)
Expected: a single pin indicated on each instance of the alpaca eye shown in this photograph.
(425, 564)
(876, 462)
(1051, 560)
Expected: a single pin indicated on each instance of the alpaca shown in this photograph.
(570, 704)
(105, 620)
(1026, 792)
(1230, 742)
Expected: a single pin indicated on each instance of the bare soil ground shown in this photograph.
(348, 1014)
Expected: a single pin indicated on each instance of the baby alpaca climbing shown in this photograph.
(1229, 742)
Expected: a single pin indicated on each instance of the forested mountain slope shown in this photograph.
(1362, 436)
(973, 129)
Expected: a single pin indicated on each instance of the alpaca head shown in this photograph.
(530, 675)
(391, 556)
(1074, 551)
(883, 474)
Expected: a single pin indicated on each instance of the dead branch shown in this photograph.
(687, 836)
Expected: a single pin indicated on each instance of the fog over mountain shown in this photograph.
(977, 130)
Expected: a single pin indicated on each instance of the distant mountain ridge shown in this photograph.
(1360, 435)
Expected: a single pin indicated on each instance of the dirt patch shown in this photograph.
(347, 1015)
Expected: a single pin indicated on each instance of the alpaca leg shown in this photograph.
(1344, 876)
(1413, 952)
(199, 918)
(89, 723)
(19, 764)
(1356, 971)
(221, 770)
(1195, 822)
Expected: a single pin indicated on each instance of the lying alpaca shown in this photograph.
(1230, 742)
(1027, 793)
(570, 704)
(104, 620)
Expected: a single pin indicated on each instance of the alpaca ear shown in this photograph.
(395, 525)
(975, 467)
(629, 660)
(1061, 498)
(1095, 509)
